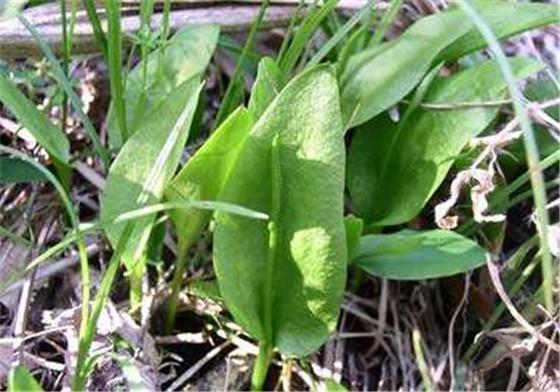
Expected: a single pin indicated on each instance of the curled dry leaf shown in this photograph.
(479, 197)
(484, 177)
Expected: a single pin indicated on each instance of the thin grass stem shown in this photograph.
(341, 33)
(98, 32)
(114, 59)
(535, 171)
(386, 21)
(228, 101)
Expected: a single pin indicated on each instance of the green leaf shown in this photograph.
(15, 170)
(145, 165)
(186, 54)
(20, 380)
(539, 90)
(334, 386)
(413, 255)
(393, 169)
(506, 18)
(47, 135)
(284, 281)
(267, 86)
(354, 229)
(204, 175)
(376, 79)
(206, 289)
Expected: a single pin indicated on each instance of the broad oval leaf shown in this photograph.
(186, 54)
(378, 78)
(506, 18)
(413, 255)
(47, 135)
(132, 172)
(204, 175)
(393, 169)
(284, 281)
(20, 380)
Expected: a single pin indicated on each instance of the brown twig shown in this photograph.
(495, 276)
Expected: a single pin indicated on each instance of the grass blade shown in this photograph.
(301, 39)
(420, 360)
(293, 21)
(386, 21)
(47, 135)
(86, 228)
(114, 59)
(98, 32)
(341, 33)
(58, 73)
(534, 168)
(229, 100)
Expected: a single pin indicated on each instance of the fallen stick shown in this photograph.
(17, 42)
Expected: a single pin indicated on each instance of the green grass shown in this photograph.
(99, 34)
(114, 58)
(235, 85)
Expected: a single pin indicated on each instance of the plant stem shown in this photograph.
(260, 369)
(420, 360)
(180, 267)
(64, 172)
(164, 35)
(86, 338)
(145, 32)
(65, 61)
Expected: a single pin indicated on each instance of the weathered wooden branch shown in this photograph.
(17, 42)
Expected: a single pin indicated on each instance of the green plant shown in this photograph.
(294, 266)
(394, 168)
(47, 135)
(148, 84)
(203, 177)
(315, 142)
(413, 255)
(165, 131)
(20, 380)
